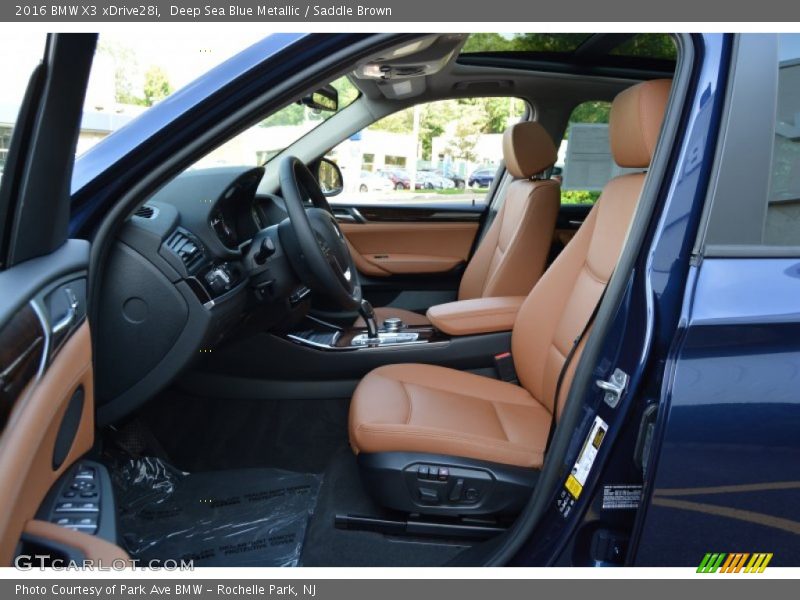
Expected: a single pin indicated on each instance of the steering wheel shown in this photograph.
(312, 239)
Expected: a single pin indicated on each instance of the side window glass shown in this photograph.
(782, 222)
(585, 163)
(446, 150)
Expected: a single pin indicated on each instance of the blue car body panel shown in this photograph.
(728, 477)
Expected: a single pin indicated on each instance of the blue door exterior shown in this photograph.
(727, 470)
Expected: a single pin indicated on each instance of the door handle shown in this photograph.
(66, 322)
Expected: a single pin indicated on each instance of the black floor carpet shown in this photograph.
(343, 493)
(205, 434)
(305, 436)
(232, 518)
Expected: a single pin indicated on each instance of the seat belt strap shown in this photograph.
(568, 360)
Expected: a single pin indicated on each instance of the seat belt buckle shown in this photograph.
(504, 365)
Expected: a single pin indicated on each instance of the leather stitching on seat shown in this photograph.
(500, 422)
(532, 403)
(497, 259)
(408, 400)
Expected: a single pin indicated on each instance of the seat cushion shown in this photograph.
(425, 408)
(382, 313)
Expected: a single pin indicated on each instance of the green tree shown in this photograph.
(400, 122)
(294, 114)
(466, 133)
(156, 85)
(650, 45)
(347, 91)
(524, 42)
(125, 67)
(591, 112)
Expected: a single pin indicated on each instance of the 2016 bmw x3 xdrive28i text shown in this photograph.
(217, 346)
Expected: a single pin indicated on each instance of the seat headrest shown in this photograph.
(635, 122)
(528, 150)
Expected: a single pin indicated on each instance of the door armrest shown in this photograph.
(479, 315)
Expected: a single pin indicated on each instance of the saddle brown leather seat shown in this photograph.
(512, 255)
(440, 411)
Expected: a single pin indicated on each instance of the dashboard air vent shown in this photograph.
(189, 250)
(145, 212)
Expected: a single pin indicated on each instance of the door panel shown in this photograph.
(28, 445)
(407, 248)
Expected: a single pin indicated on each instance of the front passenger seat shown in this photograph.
(484, 439)
(512, 255)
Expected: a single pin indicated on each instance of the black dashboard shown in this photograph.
(180, 278)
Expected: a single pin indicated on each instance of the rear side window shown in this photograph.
(782, 222)
(585, 164)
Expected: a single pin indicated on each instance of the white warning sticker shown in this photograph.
(583, 465)
(621, 496)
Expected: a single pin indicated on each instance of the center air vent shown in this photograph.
(188, 249)
(145, 212)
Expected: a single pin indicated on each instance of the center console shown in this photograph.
(392, 332)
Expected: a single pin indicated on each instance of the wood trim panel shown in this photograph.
(22, 344)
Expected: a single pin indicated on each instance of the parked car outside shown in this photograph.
(481, 178)
(399, 178)
(458, 180)
(373, 182)
(428, 180)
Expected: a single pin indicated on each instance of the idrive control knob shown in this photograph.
(393, 324)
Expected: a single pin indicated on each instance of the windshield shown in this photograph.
(131, 73)
(259, 144)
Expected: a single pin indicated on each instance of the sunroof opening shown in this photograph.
(648, 45)
(523, 42)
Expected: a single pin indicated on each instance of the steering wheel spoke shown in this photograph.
(322, 258)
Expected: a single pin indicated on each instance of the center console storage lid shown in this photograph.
(479, 315)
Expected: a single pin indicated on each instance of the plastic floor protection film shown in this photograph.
(244, 517)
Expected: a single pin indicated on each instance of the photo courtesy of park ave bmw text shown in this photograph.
(415, 298)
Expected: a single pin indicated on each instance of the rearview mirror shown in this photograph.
(329, 177)
(324, 99)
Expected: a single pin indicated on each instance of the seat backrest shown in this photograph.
(559, 307)
(512, 255)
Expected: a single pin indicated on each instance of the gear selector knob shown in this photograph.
(368, 314)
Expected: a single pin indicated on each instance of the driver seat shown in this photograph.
(512, 255)
(435, 440)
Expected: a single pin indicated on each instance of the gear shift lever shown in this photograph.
(368, 314)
